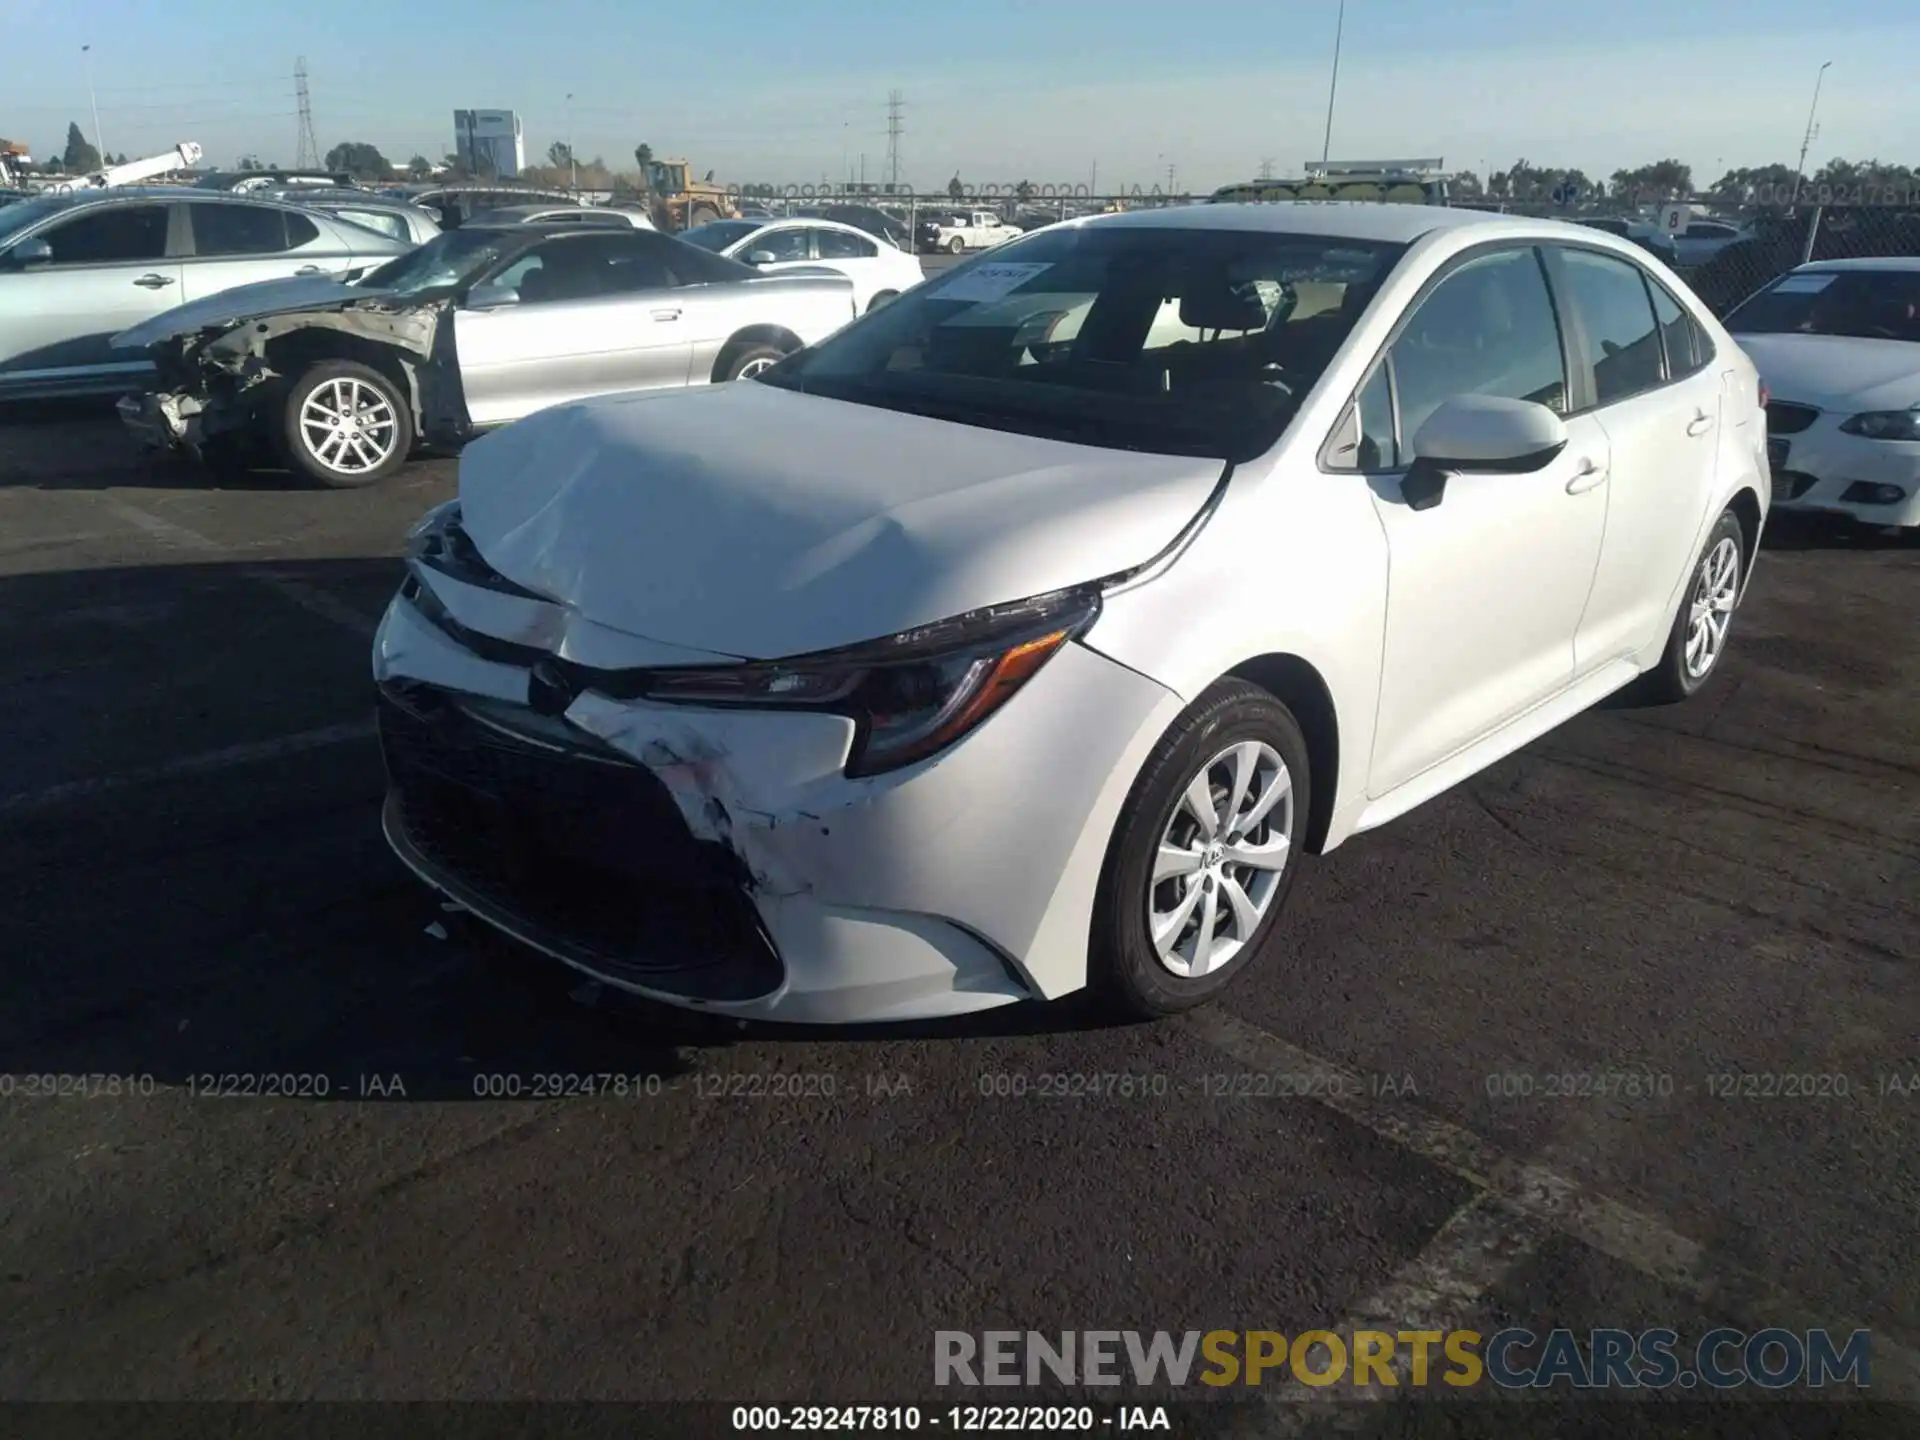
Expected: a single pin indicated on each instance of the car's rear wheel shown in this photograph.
(1698, 639)
(345, 425)
(743, 362)
(882, 298)
(956, 245)
(1204, 853)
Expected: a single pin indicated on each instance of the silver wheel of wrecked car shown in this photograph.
(346, 425)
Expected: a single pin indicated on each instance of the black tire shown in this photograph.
(885, 297)
(1671, 680)
(740, 357)
(956, 245)
(1126, 971)
(298, 448)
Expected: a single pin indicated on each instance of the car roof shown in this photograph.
(111, 194)
(1349, 220)
(1866, 262)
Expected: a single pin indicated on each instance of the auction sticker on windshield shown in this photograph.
(988, 282)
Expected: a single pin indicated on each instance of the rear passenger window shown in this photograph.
(1488, 328)
(1623, 343)
(238, 230)
(1679, 334)
(300, 230)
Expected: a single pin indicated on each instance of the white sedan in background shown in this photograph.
(1838, 345)
(957, 661)
(879, 271)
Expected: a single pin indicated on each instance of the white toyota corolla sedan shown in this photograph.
(1030, 632)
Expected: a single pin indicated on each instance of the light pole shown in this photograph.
(1333, 85)
(573, 162)
(99, 140)
(1806, 141)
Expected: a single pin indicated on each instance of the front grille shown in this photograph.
(587, 856)
(1787, 419)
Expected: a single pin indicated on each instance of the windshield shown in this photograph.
(1192, 342)
(666, 179)
(721, 233)
(1862, 304)
(449, 259)
(23, 213)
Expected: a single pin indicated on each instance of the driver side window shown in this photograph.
(1488, 328)
(783, 245)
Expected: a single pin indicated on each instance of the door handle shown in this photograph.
(666, 314)
(1700, 424)
(1590, 474)
(154, 282)
(309, 270)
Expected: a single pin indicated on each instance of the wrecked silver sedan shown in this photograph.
(485, 324)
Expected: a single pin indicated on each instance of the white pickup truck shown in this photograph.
(966, 230)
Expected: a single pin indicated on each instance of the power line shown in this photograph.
(307, 149)
(896, 102)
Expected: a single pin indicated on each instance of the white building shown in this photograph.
(490, 142)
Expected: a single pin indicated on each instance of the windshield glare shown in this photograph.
(449, 259)
(1861, 304)
(1198, 342)
(720, 234)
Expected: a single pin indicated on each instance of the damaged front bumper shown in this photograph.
(721, 860)
(162, 421)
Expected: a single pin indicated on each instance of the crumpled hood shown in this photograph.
(749, 520)
(1837, 372)
(243, 302)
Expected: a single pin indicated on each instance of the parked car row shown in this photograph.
(928, 672)
(879, 272)
(342, 378)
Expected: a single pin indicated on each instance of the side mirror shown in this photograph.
(1480, 433)
(760, 257)
(492, 297)
(31, 252)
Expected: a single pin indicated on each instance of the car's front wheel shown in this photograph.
(345, 425)
(1204, 853)
(1698, 639)
(744, 362)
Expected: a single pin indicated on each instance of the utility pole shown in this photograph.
(896, 103)
(1266, 168)
(1806, 141)
(99, 141)
(573, 163)
(1333, 86)
(306, 148)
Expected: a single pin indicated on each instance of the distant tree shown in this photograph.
(1023, 192)
(955, 189)
(1755, 184)
(51, 166)
(1466, 186)
(79, 158)
(1856, 180)
(419, 167)
(559, 154)
(1536, 184)
(1653, 184)
(251, 162)
(358, 159)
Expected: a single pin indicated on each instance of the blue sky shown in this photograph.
(1049, 90)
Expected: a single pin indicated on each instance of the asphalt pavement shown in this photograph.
(196, 895)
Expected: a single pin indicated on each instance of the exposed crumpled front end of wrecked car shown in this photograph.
(226, 380)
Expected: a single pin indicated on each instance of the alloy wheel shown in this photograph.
(1716, 587)
(1221, 854)
(349, 426)
(756, 367)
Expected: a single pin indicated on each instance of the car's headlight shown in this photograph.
(910, 695)
(1885, 424)
(438, 542)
